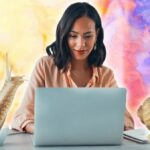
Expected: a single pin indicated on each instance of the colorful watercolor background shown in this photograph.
(27, 27)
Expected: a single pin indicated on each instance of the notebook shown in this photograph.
(79, 116)
(139, 135)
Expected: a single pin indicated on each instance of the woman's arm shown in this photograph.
(24, 116)
(128, 121)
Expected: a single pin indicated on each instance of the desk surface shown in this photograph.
(23, 141)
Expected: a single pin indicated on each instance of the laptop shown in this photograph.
(79, 116)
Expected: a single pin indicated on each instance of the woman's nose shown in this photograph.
(81, 44)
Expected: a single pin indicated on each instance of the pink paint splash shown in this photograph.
(127, 39)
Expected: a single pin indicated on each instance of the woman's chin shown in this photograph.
(80, 58)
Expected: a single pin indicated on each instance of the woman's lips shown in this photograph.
(80, 52)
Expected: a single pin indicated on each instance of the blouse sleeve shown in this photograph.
(111, 80)
(107, 78)
(25, 113)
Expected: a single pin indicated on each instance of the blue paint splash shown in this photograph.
(140, 17)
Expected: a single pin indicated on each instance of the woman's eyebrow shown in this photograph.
(74, 32)
(89, 32)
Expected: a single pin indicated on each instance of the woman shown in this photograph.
(75, 60)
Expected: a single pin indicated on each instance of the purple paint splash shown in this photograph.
(140, 17)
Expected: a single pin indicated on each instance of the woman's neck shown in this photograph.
(79, 65)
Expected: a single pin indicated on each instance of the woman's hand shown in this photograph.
(128, 122)
(29, 128)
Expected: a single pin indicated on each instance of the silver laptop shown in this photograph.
(79, 116)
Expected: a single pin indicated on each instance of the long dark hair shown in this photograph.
(60, 49)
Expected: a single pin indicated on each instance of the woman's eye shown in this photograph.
(87, 37)
(72, 36)
(76, 36)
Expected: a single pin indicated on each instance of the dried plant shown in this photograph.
(7, 92)
(144, 112)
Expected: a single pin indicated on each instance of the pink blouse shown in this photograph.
(46, 74)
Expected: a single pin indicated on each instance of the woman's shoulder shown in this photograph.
(45, 60)
(107, 77)
(105, 70)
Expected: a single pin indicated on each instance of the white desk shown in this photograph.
(24, 142)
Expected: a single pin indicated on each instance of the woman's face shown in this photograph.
(82, 38)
